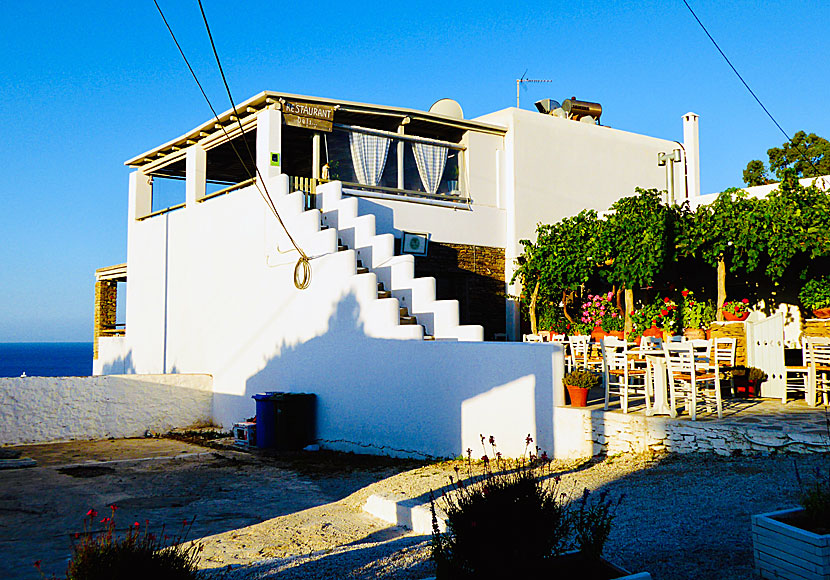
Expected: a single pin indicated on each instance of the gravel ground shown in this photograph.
(682, 516)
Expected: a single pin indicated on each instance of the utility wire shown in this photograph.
(751, 92)
(302, 270)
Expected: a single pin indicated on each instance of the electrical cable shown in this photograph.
(751, 92)
(302, 270)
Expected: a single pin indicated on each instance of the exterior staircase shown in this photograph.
(394, 303)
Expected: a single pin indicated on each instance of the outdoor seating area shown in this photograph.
(684, 377)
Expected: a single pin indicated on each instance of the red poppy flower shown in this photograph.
(666, 300)
(664, 312)
(745, 301)
(685, 293)
(92, 513)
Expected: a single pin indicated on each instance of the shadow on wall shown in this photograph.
(407, 397)
(123, 365)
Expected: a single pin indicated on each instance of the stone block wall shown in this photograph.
(473, 275)
(596, 432)
(735, 330)
(106, 296)
(816, 327)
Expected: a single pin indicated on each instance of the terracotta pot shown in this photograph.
(597, 333)
(735, 317)
(694, 333)
(579, 396)
(821, 312)
(708, 334)
(616, 334)
(653, 331)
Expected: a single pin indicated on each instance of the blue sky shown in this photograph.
(87, 85)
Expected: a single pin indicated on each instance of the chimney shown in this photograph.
(691, 144)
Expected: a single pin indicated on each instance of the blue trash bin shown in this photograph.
(266, 419)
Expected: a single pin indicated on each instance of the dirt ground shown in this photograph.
(165, 482)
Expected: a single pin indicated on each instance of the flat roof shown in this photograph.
(211, 132)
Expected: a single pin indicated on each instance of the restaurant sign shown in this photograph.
(308, 116)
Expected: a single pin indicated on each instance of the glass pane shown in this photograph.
(449, 183)
(167, 192)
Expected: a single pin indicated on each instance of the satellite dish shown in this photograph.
(559, 113)
(547, 106)
(448, 108)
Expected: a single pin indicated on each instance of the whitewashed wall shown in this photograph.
(40, 409)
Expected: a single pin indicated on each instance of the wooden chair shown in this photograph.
(797, 377)
(651, 343)
(818, 382)
(619, 375)
(723, 355)
(580, 353)
(690, 381)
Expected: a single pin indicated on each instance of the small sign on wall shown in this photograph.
(414, 243)
(275, 159)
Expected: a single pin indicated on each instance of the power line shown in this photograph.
(302, 270)
(751, 92)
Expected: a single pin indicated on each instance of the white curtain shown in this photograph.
(430, 160)
(368, 156)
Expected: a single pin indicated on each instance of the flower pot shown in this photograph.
(616, 334)
(597, 334)
(735, 317)
(821, 312)
(579, 396)
(653, 331)
(780, 547)
(694, 333)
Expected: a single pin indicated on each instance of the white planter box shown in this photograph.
(784, 551)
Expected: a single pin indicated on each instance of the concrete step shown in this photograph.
(341, 248)
(363, 270)
(404, 311)
(384, 294)
(408, 320)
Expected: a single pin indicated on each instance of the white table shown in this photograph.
(657, 375)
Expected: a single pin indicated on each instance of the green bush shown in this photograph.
(139, 554)
(511, 521)
(815, 294)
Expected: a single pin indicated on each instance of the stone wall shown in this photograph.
(106, 296)
(735, 330)
(473, 275)
(586, 432)
(816, 327)
(40, 409)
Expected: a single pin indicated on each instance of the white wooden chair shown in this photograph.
(580, 353)
(723, 355)
(702, 348)
(531, 338)
(690, 381)
(619, 375)
(797, 377)
(818, 378)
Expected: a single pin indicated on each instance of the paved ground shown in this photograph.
(162, 481)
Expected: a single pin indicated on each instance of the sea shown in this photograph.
(46, 359)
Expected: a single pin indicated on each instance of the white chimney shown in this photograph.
(691, 144)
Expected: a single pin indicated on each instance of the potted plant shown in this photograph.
(747, 380)
(696, 316)
(796, 538)
(667, 320)
(599, 312)
(736, 310)
(644, 321)
(815, 296)
(579, 382)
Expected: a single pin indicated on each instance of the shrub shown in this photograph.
(815, 294)
(511, 521)
(696, 314)
(137, 554)
(581, 377)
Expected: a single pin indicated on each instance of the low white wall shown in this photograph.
(411, 397)
(40, 409)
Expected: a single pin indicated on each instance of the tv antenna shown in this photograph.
(527, 80)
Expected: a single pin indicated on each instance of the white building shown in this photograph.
(210, 275)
